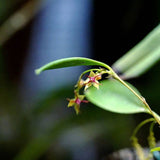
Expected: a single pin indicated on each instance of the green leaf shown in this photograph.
(70, 62)
(115, 97)
(155, 149)
(141, 57)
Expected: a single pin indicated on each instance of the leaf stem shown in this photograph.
(155, 115)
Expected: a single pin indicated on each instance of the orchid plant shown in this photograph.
(106, 89)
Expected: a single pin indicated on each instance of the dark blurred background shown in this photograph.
(34, 120)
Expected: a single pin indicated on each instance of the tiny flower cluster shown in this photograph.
(92, 80)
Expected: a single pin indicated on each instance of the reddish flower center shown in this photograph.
(78, 101)
(92, 79)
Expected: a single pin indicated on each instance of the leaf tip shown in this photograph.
(37, 71)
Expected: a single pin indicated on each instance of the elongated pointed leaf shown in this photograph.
(143, 65)
(115, 97)
(70, 62)
(141, 57)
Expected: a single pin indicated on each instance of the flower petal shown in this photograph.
(87, 86)
(81, 97)
(96, 85)
(77, 108)
(87, 81)
(92, 74)
(98, 77)
(71, 102)
(81, 83)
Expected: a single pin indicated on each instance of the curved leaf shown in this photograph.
(70, 62)
(115, 97)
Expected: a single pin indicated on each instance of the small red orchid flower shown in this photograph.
(76, 102)
(92, 80)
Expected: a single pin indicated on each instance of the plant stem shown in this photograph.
(142, 124)
(155, 115)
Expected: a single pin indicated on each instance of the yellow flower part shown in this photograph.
(81, 83)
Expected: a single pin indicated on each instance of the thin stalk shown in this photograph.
(156, 116)
(141, 125)
(137, 146)
(151, 138)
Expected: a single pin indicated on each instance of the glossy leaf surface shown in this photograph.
(70, 62)
(115, 97)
